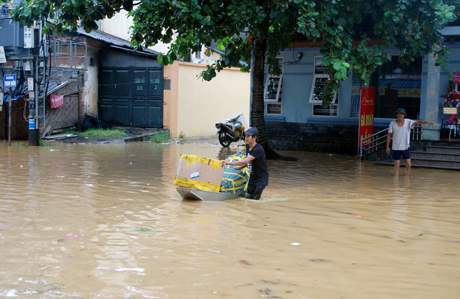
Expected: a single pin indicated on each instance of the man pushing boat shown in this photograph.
(256, 162)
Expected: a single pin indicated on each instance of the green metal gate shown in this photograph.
(131, 97)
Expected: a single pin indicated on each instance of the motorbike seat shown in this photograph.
(233, 119)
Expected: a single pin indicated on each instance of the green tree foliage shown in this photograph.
(354, 33)
(359, 31)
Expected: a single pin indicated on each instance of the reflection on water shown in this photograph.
(105, 221)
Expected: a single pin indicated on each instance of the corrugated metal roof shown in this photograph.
(400, 83)
(58, 80)
(113, 40)
(450, 30)
(397, 83)
(214, 47)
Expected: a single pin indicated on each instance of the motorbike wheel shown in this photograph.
(224, 140)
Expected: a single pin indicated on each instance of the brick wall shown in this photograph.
(329, 138)
(340, 139)
(67, 115)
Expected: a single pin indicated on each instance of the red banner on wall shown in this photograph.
(366, 114)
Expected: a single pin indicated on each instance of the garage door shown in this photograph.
(131, 97)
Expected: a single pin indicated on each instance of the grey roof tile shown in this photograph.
(112, 40)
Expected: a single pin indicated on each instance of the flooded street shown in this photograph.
(105, 221)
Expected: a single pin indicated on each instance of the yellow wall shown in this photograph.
(193, 106)
(170, 106)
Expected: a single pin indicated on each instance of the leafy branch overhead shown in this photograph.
(352, 34)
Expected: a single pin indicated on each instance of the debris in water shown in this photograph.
(76, 235)
(41, 268)
(295, 244)
(119, 269)
(287, 282)
(243, 285)
(319, 260)
(267, 292)
(12, 293)
(245, 262)
(268, 281)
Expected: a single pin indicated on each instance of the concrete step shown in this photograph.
(443, 149)
(427, 163)
(435, 156)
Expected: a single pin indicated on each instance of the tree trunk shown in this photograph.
(258, 105)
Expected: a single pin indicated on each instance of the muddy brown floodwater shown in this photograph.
(105, 221)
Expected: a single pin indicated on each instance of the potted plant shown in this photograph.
(452, 97)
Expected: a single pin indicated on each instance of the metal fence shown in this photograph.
(377, 141)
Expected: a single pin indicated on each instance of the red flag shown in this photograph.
(56, 100)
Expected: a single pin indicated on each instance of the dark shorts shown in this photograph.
(404, 154)
(255, 191)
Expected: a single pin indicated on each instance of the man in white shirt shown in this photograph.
(399, 129)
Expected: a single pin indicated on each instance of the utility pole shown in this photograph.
(34, 133)
(25, 49)
(10, 81)
(9, 116)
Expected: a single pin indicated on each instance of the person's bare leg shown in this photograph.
(397, 163)
(408, 166)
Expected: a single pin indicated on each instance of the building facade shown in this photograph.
(296, 120)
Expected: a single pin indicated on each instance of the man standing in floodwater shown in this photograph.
(256, 162)
(399, 129)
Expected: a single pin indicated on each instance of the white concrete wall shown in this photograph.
(90, 92)
(119, 25)
(205, 56)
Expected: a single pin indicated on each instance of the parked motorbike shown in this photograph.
(232, 130)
